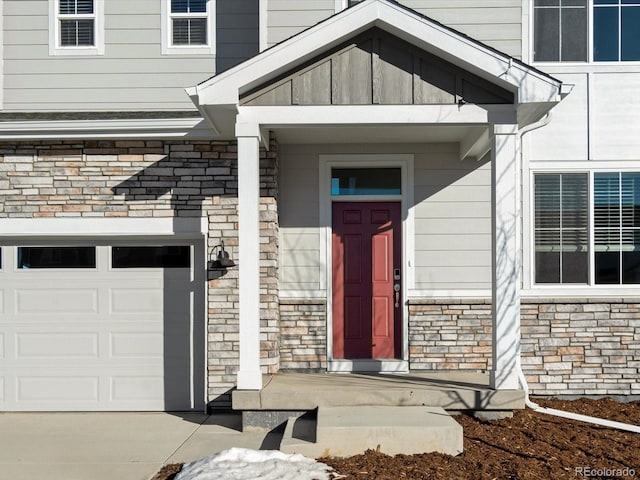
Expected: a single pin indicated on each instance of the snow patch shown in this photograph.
(245, 464)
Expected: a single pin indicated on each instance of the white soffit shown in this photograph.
(530, 84)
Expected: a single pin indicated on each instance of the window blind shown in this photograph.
(561, 228)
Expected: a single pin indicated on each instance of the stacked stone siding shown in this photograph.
(303, 335)
(582, 346)
(579, 346)
(159, 178)
(449, 334)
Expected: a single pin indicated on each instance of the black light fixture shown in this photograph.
(222, 258)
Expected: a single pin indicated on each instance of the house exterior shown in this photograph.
(198, 192)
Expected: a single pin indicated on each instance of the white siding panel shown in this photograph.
(616, 116)
(566, 137)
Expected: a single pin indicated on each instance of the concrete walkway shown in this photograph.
(113, 446)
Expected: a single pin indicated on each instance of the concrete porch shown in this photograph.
(452, 391)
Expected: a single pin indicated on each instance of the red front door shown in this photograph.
(366, 250)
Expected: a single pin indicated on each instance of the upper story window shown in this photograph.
(188, 27)
(563, 29)
(76, 27)
(616, 30)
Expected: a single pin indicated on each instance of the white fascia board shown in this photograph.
(531, 85)
(122, 128)
(102, 227)
(336, 115)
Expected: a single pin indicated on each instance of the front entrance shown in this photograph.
(367, 303)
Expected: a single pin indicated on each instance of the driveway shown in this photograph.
(113, 446)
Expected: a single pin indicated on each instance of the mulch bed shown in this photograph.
(529, 446)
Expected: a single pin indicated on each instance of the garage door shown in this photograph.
(96, 327)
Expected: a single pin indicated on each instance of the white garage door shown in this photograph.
(89, 326)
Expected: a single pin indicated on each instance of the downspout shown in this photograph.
(523, 381)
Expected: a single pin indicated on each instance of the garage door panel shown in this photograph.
(57, 388)
(48, 302)
(137, 388)
(1, 345)
(2, 392)
(56, 346)
(136, 300)
(130, 345)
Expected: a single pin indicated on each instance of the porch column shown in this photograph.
(249, 373)
(505, 162)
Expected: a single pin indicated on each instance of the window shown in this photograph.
(56, 257)
(616, 30)
(561, 228)
(188, 26)
(365, 181)
(76, 27)
(562, 232)
(151, 257)
(617, 228)
(562, 29)
(560, 32)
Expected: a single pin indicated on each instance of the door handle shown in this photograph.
(396, 289)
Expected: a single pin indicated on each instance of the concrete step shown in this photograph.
(346, 431)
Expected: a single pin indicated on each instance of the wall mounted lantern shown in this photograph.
(222, 260)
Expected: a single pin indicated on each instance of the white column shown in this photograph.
(249, 373)
(505, 164)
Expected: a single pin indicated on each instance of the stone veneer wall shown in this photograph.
(578, 346)
(303, 335)
(158, 178)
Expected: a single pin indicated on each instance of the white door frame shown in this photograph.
(405, 163)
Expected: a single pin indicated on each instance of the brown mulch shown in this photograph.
(529, 446)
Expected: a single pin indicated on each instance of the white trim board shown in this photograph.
(122, 128)
(102, 227)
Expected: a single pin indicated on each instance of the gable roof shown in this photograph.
(529, 85)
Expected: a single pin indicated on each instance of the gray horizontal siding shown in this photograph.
(452, 213)
(131, 75)
(497, 23)
(299, 219)
(285, 18)
(452, 221)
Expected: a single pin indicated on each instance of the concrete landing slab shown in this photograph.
(455, 391)
(345, 431)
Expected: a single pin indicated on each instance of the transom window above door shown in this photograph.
(366, 181)
(586, 30)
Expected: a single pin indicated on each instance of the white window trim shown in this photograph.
(166, 32)
(55, 49)
(532, 289)
(405, 162)
(529, 53)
